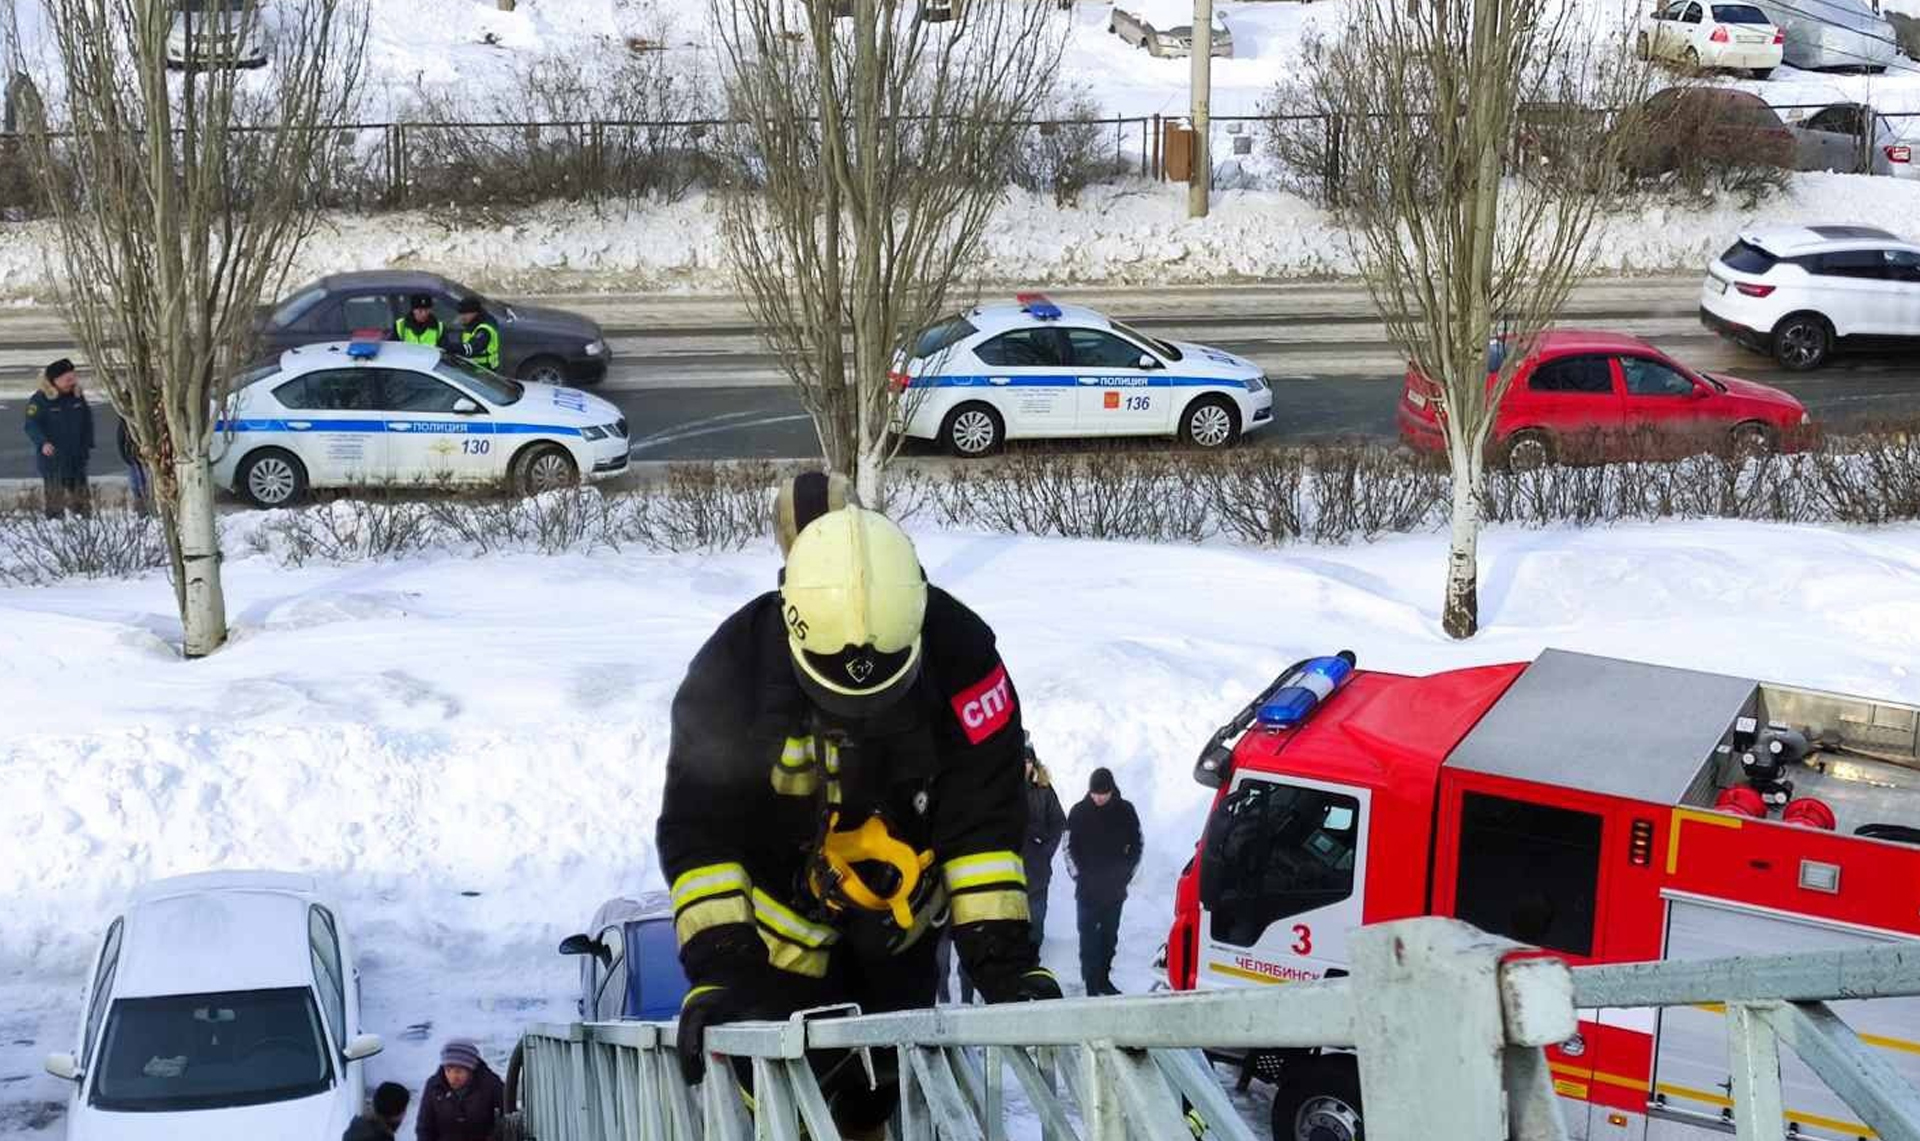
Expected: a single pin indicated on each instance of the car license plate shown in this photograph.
(1716, 284)
(1417, 399)
(1752, 39)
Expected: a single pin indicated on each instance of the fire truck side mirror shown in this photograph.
(1216, 761)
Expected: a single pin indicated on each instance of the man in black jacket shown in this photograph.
(60, 426)
(1046, 823)
(844, 772)
(1103, 849)
(389, 1110)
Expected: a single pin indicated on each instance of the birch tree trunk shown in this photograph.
(204, 609)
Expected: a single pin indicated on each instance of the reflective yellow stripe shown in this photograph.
(798, 754)
(802, 783)
(709, 880)
(977, 906)
(786, 956)
(779, 918)
(709, 913)
(695, 993)
(984, 869)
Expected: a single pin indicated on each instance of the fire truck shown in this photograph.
(1606, 810)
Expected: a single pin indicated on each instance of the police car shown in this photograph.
(1034, 369)
(361, 413)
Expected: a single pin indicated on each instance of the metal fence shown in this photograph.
(1448, 1025)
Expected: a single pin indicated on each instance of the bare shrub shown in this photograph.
(619, 124)
(382, 526)
(1255, 494)
(704, 507)
(1302, 130)
(112, 542)
(1870, 478)
(1115, 494)
(1063, 158)
(1369, 490)
(1706, 139)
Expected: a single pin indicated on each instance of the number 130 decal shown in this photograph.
(1302, 939)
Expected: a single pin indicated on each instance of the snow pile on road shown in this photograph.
(468, 752)
(1131, 233)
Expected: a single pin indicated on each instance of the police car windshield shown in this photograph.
(1158, 346)
(496, 388)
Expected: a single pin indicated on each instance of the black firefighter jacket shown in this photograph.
(753, 768)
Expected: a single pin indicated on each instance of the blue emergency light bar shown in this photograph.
(363, 350)
(1038, 306)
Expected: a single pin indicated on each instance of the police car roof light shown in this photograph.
(1038, 306)
(363, 350)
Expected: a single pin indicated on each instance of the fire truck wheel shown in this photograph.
(1319, 1100)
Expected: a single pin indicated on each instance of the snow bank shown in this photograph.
(411, 732)
(1132, 233)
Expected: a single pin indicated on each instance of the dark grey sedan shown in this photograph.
(546, 346)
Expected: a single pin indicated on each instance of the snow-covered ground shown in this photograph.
(468, 752)
(1131, 233)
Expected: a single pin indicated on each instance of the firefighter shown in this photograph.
(845, 774)
(479, 337)
(60, 427)
(419, 326)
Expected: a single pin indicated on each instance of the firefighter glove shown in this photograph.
(707, 1006)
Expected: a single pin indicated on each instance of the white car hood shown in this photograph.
(552, 404)
(321, 1117)
(1202, 360)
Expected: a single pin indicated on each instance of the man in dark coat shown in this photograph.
(463, 1099)
(1046, 823)
(60, 425)
(389, 1110)
(1103, 849)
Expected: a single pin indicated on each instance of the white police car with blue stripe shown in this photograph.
(1034, 369)
(371, 413)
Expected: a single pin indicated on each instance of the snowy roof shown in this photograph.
(215, 939)
(1785, 241)
(291, 882)
(1003, 315)
(1617, 728)
(647, 905)
(333, 354)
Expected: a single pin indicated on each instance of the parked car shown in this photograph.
(379, 414)
(1802, 293)
(545, 346)
(629, 961)
(1715, 125)
(1164, 28)
(1833, 35)
(1701, 34)
(217, 33)
(1850, 138)
(1036, 370)
(1579, 389)
(224, 1004)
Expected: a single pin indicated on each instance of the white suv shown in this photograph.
(1801, 292)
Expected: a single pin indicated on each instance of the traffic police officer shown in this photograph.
(479, 336)
(419, 326)
(845, 774)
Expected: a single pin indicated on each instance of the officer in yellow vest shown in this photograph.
(419, 326)
(479, 336)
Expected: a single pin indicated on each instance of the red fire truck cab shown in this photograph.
(1608, 810)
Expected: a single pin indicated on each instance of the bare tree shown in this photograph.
(1479, 151)
(196, 190)
(874, 150)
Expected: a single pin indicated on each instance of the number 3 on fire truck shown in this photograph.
(1302, 939)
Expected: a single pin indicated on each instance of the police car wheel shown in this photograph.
(272, 478)
(1210, 422)
(544, 467)
(972, 430)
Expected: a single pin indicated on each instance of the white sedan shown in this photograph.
(1702, 33)
(224, 1004)
(374, 413)
(1034, 369)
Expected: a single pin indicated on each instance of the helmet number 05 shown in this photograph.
(1302, 939)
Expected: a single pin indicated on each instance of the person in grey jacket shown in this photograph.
(1046, 824)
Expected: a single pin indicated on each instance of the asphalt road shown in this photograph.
(696, 383)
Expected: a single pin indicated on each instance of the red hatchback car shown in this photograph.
(1582, 389)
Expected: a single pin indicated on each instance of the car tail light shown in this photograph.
(901, 381)
(1779, 37)
(1752, 290)
(1719, 36)
(1899, 154)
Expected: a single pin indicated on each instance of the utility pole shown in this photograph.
(1200, 176)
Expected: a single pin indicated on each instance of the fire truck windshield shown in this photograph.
(1273, 851)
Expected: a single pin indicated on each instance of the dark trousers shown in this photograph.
(1037, 910)
(1099, 937)
(943, 963)
(67, 492)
